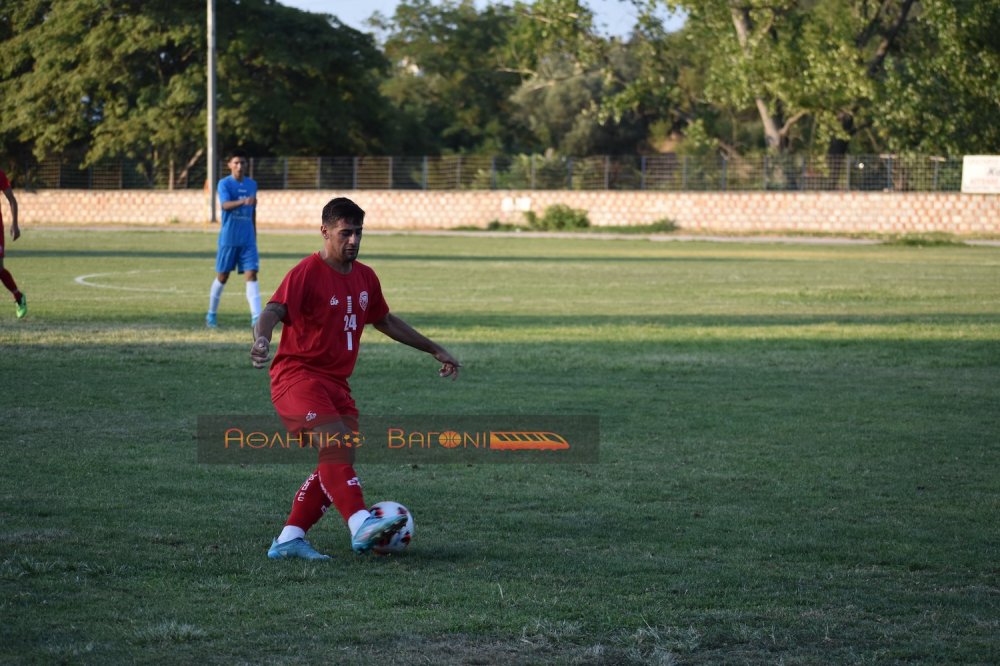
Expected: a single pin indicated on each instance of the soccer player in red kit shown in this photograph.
(324, 303)
(15, 233)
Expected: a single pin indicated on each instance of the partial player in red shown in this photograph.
(15, 233)
(324, 303)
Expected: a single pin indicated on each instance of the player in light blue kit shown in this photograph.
(237, 238)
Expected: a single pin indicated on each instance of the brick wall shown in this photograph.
(740, 212)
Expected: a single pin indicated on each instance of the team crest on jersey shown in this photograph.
(363, 300)
(334, 301)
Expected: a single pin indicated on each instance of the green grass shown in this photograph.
(662, 226)
(799, 458)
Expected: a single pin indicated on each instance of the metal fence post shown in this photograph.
(390, 173)
(607, 172)
(725, 165)
(423, 173)
(319, 173)
(684, 174)
(284, 174)
(642, 172)
(354, 173)
(847, 164)
(458, 173)
(532, 172)
(493, 172)
(569, 173)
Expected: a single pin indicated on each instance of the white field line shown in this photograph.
(84, 280)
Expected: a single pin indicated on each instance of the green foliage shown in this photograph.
(698, 141)
(924, 240)
(558, 29)
(558, 217)
(106, 79)
(95, 79)
(316, 94)
(661, 226)
(448, 93)
(946, 100)
(850, 75)
(497, 225)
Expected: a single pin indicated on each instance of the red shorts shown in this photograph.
(313, 402)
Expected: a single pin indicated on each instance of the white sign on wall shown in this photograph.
(981, 174)
(510, 204)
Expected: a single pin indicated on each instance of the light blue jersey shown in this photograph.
(237, 224)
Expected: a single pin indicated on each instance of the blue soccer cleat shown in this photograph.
(296, 548)
(210, 320)
(375, 530)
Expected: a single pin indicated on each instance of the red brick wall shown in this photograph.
(825, 212)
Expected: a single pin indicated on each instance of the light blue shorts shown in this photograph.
(240, 257)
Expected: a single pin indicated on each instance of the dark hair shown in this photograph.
(342, 208)
(237, 153)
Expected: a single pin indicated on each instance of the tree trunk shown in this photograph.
(187, 167)
(772, 134)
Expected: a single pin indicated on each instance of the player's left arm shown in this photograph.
(397, 329)
(253, 216)
(15, 231)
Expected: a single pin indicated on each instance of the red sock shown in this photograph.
(8, 281)
(342, 486)
(309, 505)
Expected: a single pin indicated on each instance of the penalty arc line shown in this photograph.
(84, 281)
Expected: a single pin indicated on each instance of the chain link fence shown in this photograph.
(659, 173)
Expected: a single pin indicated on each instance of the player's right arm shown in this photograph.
(235, 203)
(260, 353)
(15, 231)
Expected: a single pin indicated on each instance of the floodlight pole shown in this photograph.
(212, 161)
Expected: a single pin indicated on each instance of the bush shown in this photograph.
(497, 225)
(558, 217)
(663, 225)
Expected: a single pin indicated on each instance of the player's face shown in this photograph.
(237, 166)
(342, 241)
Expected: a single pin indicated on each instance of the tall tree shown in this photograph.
(792, 60)
(298, 83)
(446, 86)
(947, 100)
(569, 73)
(660, 83)
(111, 78)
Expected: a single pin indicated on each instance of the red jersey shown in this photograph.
(327, 312)
(4, 184)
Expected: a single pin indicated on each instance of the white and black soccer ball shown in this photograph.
(398, 542)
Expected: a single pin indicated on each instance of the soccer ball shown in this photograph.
(398, 542)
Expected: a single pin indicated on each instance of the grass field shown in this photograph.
(799, 458)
